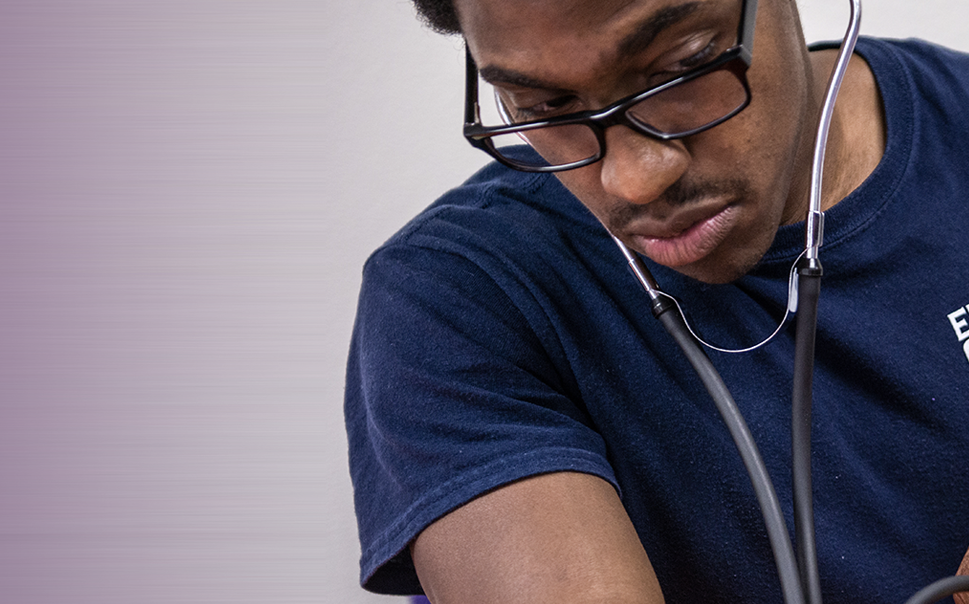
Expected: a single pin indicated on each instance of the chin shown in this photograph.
(718, 272)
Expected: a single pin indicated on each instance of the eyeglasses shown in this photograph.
(693, 102)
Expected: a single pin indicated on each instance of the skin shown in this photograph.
(708, 206)
(963, 598)
(555, 538)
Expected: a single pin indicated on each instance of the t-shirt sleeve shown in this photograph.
(454, 387)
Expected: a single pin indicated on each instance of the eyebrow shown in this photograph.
(499, 75)
(633, 43)
(647, 31)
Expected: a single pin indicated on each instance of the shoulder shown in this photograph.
(925, 89)
(487, 202)
(929, 73)
(509, 227)
(929, 56)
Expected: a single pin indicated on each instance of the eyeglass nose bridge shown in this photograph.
(618, 116)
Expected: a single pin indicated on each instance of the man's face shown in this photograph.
(707, 205)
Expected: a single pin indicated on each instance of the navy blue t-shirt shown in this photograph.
(500, 335)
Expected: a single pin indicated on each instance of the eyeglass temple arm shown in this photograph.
(748, 24)
(472, 112)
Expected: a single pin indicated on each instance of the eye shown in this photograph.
(709, 52)
(543, 110)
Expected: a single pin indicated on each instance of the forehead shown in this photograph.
(517, 31)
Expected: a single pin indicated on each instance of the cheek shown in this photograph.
(780, 98)
(586, 184)
(768, 140)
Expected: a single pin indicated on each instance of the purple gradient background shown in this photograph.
(148, 308)
(174, 324)
(187, 193)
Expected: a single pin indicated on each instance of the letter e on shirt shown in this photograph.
(960, 324)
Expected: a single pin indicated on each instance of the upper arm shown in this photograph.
(455, 385)
(558, 538)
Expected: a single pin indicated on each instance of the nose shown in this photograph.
(637, 168)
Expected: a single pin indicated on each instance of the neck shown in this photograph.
(856, 139)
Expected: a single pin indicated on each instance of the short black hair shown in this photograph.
(439, 15)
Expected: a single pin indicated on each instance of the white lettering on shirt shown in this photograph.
(960, 324)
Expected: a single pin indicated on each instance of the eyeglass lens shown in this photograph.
(680, 109)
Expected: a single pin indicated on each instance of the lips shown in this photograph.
(686, 239)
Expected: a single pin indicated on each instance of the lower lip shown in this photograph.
(692, 245)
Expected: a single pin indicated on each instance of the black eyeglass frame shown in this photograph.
(736, 59)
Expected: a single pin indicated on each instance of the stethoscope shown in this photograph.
(797, 564)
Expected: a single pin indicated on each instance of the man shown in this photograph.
(521, 430)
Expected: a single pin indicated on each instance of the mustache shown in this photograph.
(680, 194)
(683, 193)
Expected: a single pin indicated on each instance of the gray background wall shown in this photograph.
(187, 192)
